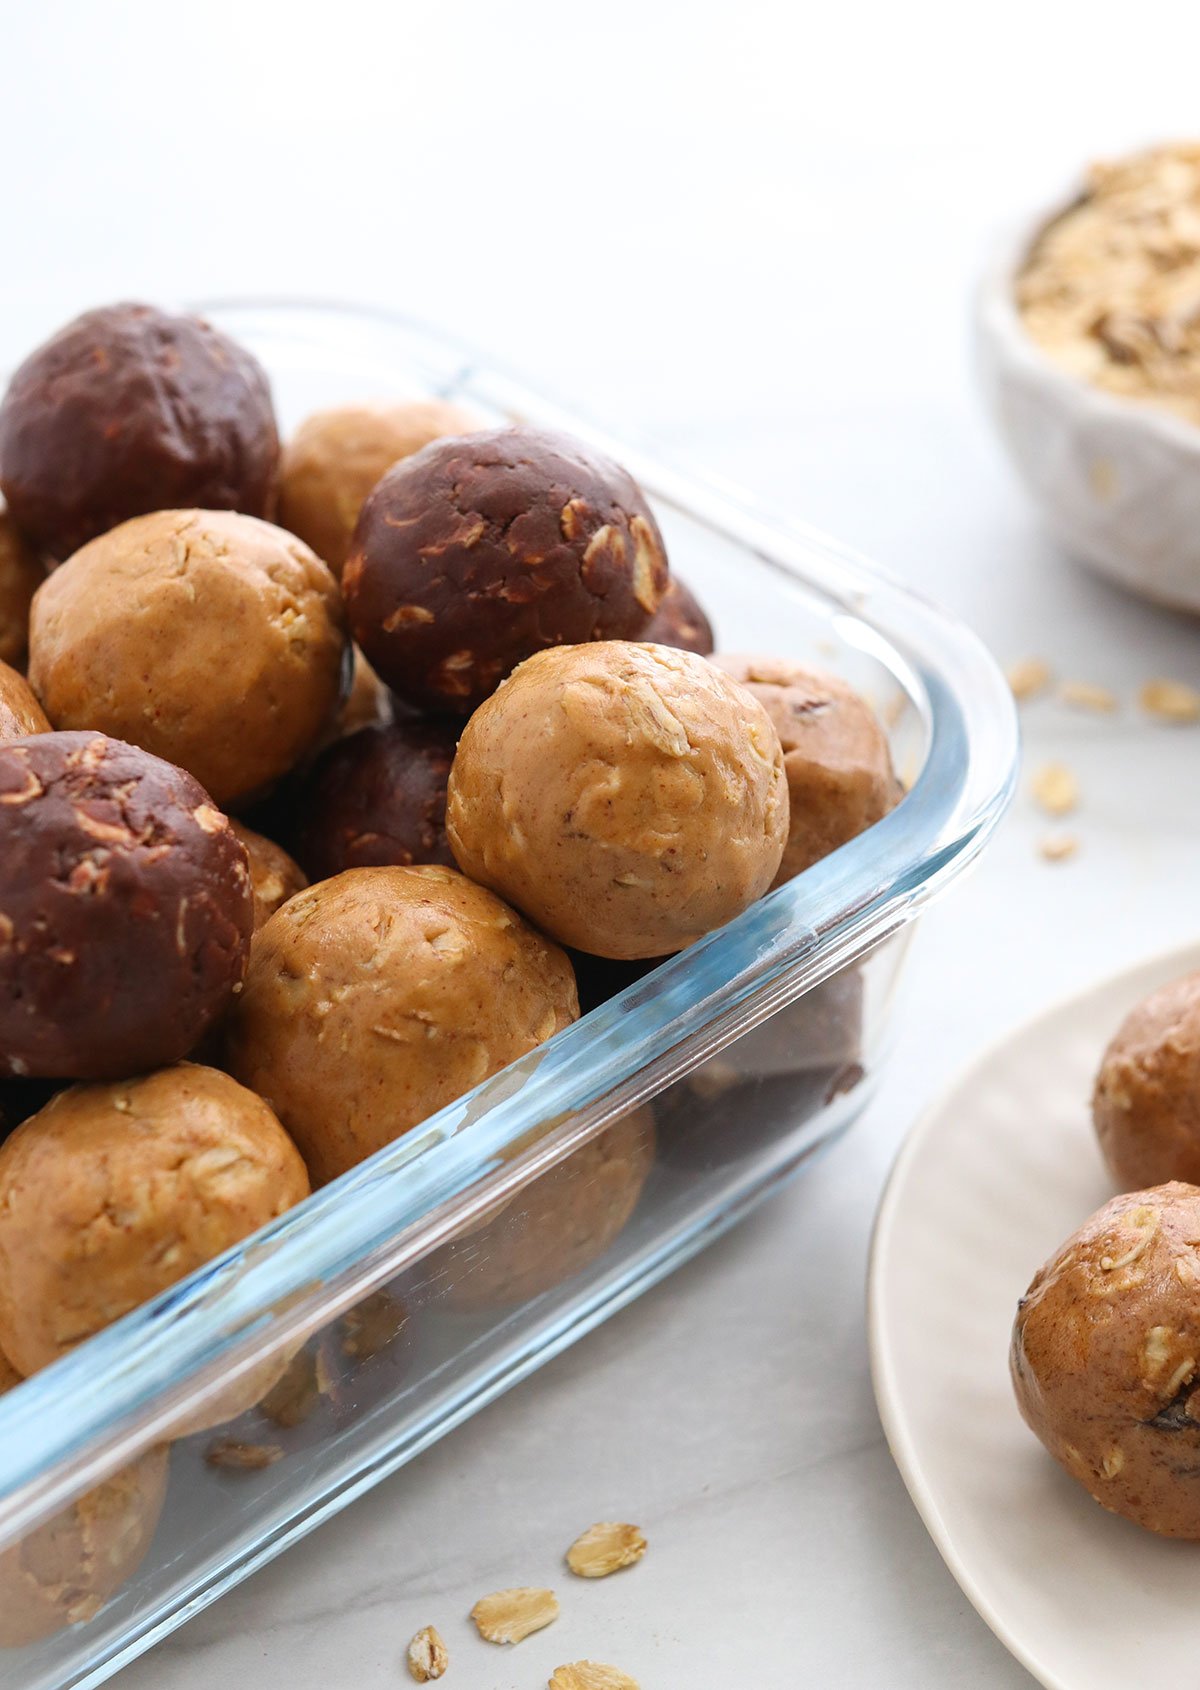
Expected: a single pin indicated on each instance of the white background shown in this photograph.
(748, 233)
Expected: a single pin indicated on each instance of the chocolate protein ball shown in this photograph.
(378, 797)
(274, 877)
(21, 573)
(1105, 1352)
(839, 767)
(63, 1571)
(20, 712)
(627, 798)
(335, 458)
(479, 551)
(209, 638)
(554, 1228)
(126, 909)
(1146, 1103)
(679, 621)
(128, 410)
(112, 1193)
(377, 997)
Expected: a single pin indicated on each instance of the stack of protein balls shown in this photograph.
(446, 669)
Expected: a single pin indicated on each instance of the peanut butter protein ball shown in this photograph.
(1105, 1355)
(479, 551)
(627, 798)
(1146, 1104)
(376, 997)
(839, 766)
(114, 1192)
(128, 410)
(335, 458)
(125, 909)
(274, 877)
(20, 712)
(212, 639)
(65, 1570)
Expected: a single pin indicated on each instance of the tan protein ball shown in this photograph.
(20, 712)
(836, 754)
(554, 1228)
(628, 798)
(378, 996)
(335, 458)
(367, 704)
(65, 1570)
(1146, 1103)
(1105, 1355)
(212, 639)
(113, 1192)
(274, 877)
(21, 574)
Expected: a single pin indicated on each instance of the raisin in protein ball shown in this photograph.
(839, 767)
(377, 997)
(627, 798)
(1105, 1357)
(112, 1193)
(209, 638)
(479, 551)
(63, 1571)
(680, 621)
(128, 410)
(21, 574)
(125, 909)
(20, 712)
(274, 877)
(554, 1227)
(378, 797)
(335, 458)
(1146, 1103)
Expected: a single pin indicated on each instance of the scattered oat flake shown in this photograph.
(605, 1548)
(427, 1656)
(1058, 847)
(1055, 789)
(1086, 695)
(591, 1675)
(245, 1458)
(1028, 677)
(1170, 701)
(507, 1616)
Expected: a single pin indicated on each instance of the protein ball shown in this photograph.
(377, 997)
(114, 1192)
(627, 798)
(20, 712)
(378, 797)
(63, 1571)
(1146, 1103)
(21, 573)
(335, 458)
(554, 1227)
(125, 909)
(209, 638)
(1104, 1357)
(274, 877)
(128, 410)
(479, 551)
(838, 762)
(680, 621)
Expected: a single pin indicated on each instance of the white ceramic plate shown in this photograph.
(989, 1182)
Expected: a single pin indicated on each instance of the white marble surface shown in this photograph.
(751, 236)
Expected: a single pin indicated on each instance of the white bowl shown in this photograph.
(1118, 482)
